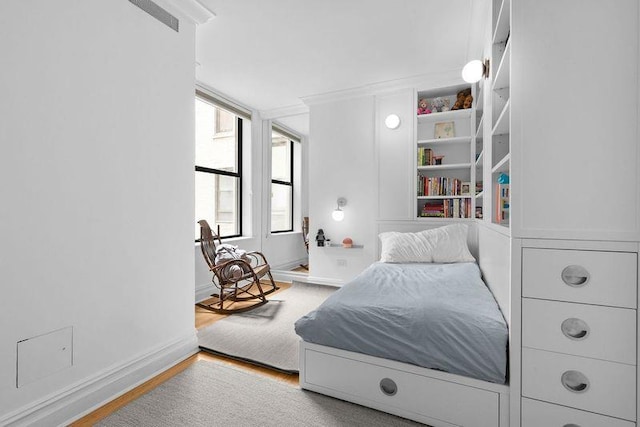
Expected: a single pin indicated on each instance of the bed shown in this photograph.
(425, 341)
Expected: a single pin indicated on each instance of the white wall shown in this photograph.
(96, 187)
(342, 164)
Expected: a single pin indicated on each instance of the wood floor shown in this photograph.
(202, 318)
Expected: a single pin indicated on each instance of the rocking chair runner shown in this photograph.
(237, 279)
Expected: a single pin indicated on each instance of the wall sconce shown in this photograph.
(338, 214)
(392, 121)
(475, 70)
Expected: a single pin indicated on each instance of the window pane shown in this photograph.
(217, 202)
(280, 157)
(280, 207)
(216, 145)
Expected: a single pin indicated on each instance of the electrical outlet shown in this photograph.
(342, 262)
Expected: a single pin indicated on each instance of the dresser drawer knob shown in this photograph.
(575, 381)
(575, 275)
(575, 329)
(388, 386)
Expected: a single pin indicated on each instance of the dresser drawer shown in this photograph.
(418, 394)
(540, 414)
(583, 330)
(606, 388)
(593, 277)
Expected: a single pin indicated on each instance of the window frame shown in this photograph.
(237, 174)
(280, 182)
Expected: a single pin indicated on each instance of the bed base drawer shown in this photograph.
(422, 398)
(537, 414)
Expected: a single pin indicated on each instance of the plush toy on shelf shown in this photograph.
(446, 105)
(436, 105)
(468, 101)
(461, 97)
(423, 107)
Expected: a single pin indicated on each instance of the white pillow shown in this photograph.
(442, 244)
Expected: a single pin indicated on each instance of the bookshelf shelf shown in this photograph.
(501, 80)
(502, 165)
(454, 140)
(480, 128)
(480, 159)
(445, 167)
(466, 196)
(502, 25)
(502, 124)
(447, 115)
(479, 195)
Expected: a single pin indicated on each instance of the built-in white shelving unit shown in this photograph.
(446, 164)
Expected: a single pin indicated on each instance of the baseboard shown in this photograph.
(325, 281)
(204, 291)
(290, 265)
(78, 400)
(288, 276)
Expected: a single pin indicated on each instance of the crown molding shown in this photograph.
(281, 112)
(421, 82)
(193, 10)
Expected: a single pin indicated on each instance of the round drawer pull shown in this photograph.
(575, 275)
(388, 386)
(575, 329)
(575, 381)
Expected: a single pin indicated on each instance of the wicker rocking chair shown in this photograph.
(236, 279)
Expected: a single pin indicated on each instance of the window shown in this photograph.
(281, 183)
(218, 168)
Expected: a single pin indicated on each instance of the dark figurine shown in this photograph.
(320, 237)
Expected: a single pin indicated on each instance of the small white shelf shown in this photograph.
(501, 79)
(502, 124)
(479, 195)
(455, 140)
(479, 159)
(445, 167)
(339, 246)
(447, 115)
(502, 23)
(466, 196)
(502, 165)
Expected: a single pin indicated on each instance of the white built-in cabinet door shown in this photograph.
(395, 156)
(574, 115)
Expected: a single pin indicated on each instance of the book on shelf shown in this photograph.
(502, 204)
(425, 156)
(453, 208)
(439, 186)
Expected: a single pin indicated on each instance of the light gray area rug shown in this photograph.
(211, 394)
(265, 335)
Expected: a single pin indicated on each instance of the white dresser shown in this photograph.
(579, 334)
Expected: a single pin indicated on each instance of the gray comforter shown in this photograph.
(438, 316)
